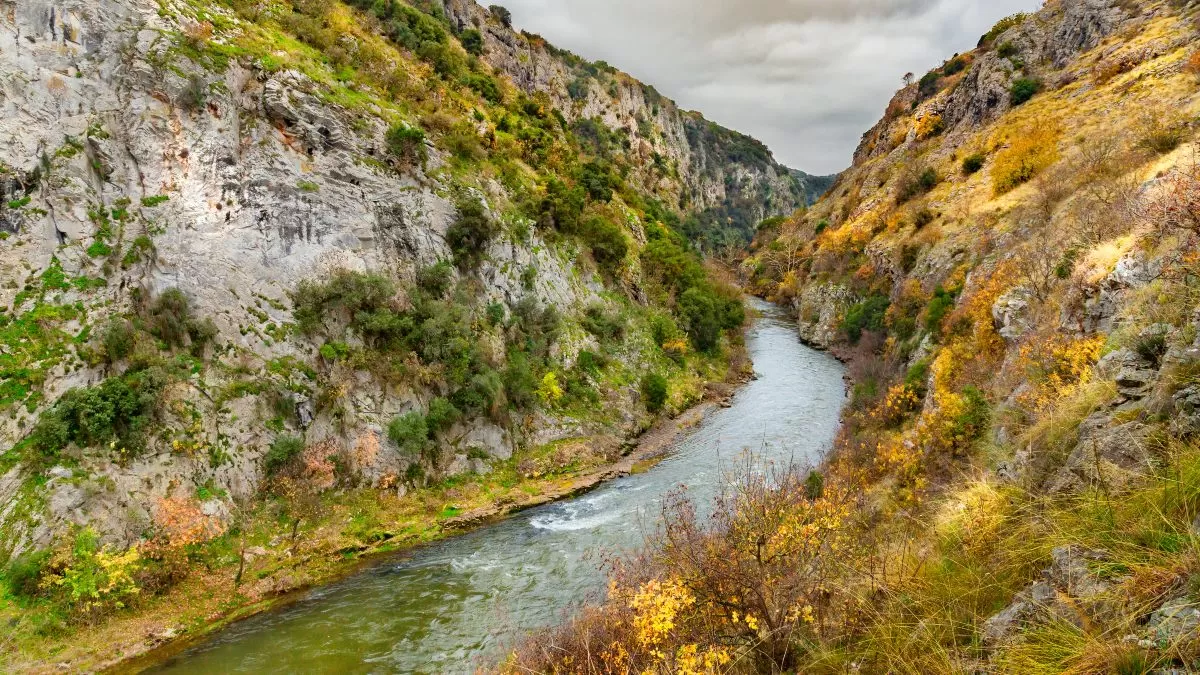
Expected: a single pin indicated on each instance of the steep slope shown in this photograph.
(729, 181)
(1010, 268)
(269, 269)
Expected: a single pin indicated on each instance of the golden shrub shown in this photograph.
(1031, 151)
(930, 125)
(1057, 365)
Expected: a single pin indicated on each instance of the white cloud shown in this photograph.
(807, 77)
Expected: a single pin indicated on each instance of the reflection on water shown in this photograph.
(453, 605)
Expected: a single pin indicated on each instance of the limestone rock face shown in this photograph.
(248, 181)
(1109, 453)
(653, 123)
(1045, 44)
(1009, 313)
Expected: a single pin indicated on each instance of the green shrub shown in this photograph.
(606, 326)
(954, 66)
(407, 144)
(484, 394)
(562, 207)
(533, 327)
(495, 314)
(973, 421)
(347, 294)
(436, 280)
(1152, 348)
(1002, 26)
(410, 433)
(928, 179)
(441, 415)
(334, 351)
(1024, 89)
(929, 84)
(529, 278)
(24, 573)
(814, 485)
(470, 233)
(939, 306)
(654, 392)
(282, 451)
(502, 15)
(820, 227)
(446, 61)
(597, 180)
(414, 474)
(485, 86)
(117, 340)
(867, 315)
(472, 41)
(608, 243)
(169, 318)
(520, 382)
(914, 183)
(973, 163)
(591, 362)
(578, 88)
(141, 248)
(1007, 50)
(116, 412)
(705, 314)
(663, 328)
(463, 142)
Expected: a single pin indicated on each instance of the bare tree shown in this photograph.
(1176, 202)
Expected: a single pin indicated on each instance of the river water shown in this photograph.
(455, 605)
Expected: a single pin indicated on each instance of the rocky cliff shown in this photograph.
(179, 178)
(721, 175)
(1008, 267)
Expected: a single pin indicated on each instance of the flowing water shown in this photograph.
(449, 607)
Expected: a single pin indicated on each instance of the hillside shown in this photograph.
(285, 284)
(1009, 268)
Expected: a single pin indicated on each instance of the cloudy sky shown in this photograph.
(807, 77)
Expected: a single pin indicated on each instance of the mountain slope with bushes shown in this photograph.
(1010, 270)
(282, 284)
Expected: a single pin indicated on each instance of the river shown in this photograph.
(454, 605)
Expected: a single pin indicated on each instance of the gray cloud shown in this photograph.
(807, 77)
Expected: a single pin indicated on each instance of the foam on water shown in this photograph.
(457, 604)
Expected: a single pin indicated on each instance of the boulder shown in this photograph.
(1067, 591)
(1108, 453)
(1176, 621)
(1010, 313)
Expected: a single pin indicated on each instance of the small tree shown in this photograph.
(407, 144)
(472, 41)
(470, 233)
(654, 392)
(1177, 204)
(502, 15)
(283, 450)
(410, 433)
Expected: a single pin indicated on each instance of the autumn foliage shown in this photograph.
(740, 588)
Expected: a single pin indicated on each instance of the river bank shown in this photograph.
(277, 571)
(457, 604)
